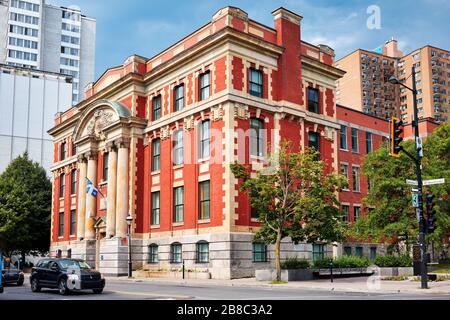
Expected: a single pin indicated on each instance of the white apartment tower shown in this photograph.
(37, 35)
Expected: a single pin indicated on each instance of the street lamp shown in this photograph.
(418, 161)
(130, 266)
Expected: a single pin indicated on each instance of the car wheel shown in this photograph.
(97, 291)
(62, 286)
(35, 285)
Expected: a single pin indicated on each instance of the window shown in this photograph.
(155, 208)
(156, 108)
(356, 212)
(344, 171)
(347, 251)
(318, 252)
(343, 137)
(354, 140)
(373, 253)
(355, 176)
(313, 100)
(202, 252)
(204, 86)
(62, 185)
(204, 149)
(73, 182)
(256, 137)
(369, 184)
(345, 213)
(259, 252)
(178, 209)
(61, 225)
(179, 98)
(256, 83)
(105, 166)
(314, 142)
(153, 253)
(359, 251)
(178, 150)
(369, 142)
(205, 209)
(63, 151)
(73, 222)
(156, 155)
(176, 253)
(74, 149)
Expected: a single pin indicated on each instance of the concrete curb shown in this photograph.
(290, 286)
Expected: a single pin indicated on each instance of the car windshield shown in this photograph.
(74, 264)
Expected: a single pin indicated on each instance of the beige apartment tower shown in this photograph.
(365, 86)
(432, 81)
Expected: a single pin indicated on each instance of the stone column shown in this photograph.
(122, 188)
(82, 166)
(112, 191)
(91, 202)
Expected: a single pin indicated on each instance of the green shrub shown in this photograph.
(392, 261)
(342, 262)
(295, 263)
(323, 263)
(351, 262)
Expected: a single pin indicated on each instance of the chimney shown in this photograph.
(390, 49)
(289, 76)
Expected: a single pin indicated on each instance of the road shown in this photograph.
(124, 290)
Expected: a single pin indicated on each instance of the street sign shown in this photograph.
(433, 182)
(426, 182)
(415, 200)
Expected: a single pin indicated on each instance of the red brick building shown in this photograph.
(359, 135)
(157, 137)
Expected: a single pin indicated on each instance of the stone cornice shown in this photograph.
(322, 68)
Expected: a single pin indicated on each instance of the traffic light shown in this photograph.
(431, 221)
(396, 139)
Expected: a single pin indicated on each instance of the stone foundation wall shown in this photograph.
(230, 254)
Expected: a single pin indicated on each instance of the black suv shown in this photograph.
(12, 275)
(66, 275)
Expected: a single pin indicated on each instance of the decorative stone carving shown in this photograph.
(241, 112)
(329, 134)
(82, 158)
(122, 143)
(111, 146)
(91, 155)
(217, 113)
(189, 123)
(100, 120)
(165, 133)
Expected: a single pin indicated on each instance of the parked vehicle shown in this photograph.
(12, 276)
(66, 275)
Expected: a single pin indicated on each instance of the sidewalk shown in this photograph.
(366, 285)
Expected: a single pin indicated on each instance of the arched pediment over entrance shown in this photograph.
(98, 117)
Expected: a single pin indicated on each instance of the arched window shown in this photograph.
(153, 253)
(202, 252)
(176, 253)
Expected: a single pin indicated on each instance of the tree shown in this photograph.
(392, 214)
(294, 197)
(25, 207)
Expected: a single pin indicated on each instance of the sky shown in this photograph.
(146, 27)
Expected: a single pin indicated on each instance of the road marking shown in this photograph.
(145, 294)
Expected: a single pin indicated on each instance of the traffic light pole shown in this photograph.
(418, 161)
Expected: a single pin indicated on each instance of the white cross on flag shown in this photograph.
(91, 189)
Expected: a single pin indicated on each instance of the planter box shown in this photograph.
(286, 275)
(396, 271)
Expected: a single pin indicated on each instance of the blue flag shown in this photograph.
(91, 189)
